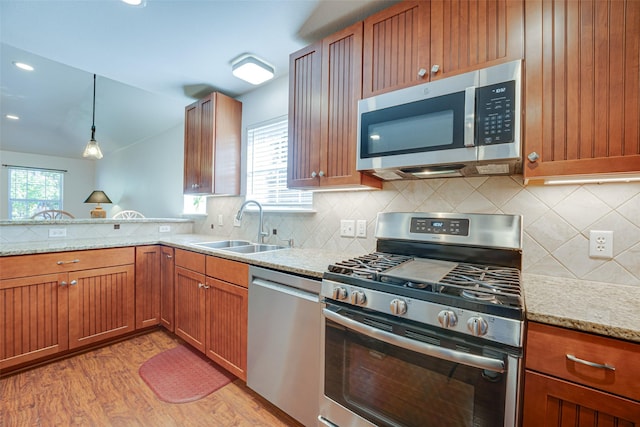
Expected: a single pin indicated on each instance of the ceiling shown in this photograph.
(150, 62)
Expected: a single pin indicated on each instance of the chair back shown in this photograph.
(128, 214)
(52, 214)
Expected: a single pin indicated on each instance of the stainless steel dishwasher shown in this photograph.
(283, 354)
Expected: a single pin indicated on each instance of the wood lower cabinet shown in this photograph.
(561, 389)
(167, 288)
(148, 259)
(190, 298)
(50, 303)
(582, 89)
(414, 42)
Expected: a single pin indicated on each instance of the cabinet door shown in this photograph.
(33, 318)
(468, 35)
(190, 307)
(227, 326)
(207, 119)
(582, 87)
(341, 89)
(305, 92)
(167, 288)
(147, 286)
(551, 402)
(101, 304)
(191, 148)
(226, 124)
(396, 47)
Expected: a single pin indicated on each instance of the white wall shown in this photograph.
(78, 181)
(146, 176)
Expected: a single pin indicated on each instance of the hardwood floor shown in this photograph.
(103, 388)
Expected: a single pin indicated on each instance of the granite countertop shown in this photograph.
(602, 308)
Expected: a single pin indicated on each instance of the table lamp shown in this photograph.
(98, 197)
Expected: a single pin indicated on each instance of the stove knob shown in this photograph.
(477, 326)
(447, 319)
(358, 298)
(398, 307)
(339, 293)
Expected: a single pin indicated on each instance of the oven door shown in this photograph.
(381, 372)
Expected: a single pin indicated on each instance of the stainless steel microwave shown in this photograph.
(464, 125)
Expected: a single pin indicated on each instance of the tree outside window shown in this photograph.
(34, 190)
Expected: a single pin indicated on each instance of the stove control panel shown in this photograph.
(455, 227)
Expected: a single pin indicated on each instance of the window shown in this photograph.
(267, 168)
(32, 190)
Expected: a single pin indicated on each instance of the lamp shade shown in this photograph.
(98, 197)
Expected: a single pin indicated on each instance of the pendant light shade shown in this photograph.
(92, 150)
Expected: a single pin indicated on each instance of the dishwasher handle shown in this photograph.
(278, 287)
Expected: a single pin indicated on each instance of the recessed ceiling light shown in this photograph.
(12, 117)
(23, 66)
(139, 3)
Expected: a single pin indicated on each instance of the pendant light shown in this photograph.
(92, 150)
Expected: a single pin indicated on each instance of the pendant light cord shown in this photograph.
(93, 120)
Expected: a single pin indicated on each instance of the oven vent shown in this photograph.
(379, 325)
(420, 337)
(463, 349)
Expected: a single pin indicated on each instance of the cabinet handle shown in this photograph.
(422, 72)
(202, 285)
(592, 364)
(68, 262)
(533, 156)
(435, 68)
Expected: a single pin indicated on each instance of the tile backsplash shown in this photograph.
(557, 220)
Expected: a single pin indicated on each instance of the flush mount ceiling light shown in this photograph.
(251, 69)
(92, 150)
(23, 66)
(138, 3)
(12, 117)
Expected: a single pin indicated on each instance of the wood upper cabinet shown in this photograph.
(212, 138)
(190, 298)
(414, 42)
(582, 89)
(562, 389)
(167, 289)
(324, 89)
(147, 286)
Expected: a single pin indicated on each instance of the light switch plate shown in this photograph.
(57, 232)
(164, 228)
(347, 228)
(361, 228)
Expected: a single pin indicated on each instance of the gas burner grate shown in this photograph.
(368, 266)
(497, 285)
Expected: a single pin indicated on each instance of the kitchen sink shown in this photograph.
(223, 244)
(253, 248)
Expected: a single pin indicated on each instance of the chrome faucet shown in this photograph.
(261, 233)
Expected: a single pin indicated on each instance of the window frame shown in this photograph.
(31, 203)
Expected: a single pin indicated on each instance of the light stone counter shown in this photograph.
(602, 308)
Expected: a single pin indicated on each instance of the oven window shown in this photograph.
(391, 386)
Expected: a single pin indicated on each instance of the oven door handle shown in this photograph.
(476, 361)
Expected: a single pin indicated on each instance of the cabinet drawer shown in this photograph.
(229, 271)
(57, 262)
(190, 260)
(551, 349)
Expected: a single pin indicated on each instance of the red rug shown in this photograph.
(180, 375)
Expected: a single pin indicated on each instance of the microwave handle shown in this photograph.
(469, 116)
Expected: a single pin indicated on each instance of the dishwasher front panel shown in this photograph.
(283, 354)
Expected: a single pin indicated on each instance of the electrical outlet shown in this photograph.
(361, 228)
(57, 232)
(164, 228)
(220, 221)
(347, 228)
(601, 244)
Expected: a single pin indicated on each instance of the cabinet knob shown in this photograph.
(321, 173)
(533, 156)
(422, 72)
(169, 257)
(73, 282)
(313, 174)
(202, 285)
(435, 68)
(63, 283)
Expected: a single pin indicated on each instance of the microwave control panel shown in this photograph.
(456, 227)
(496, 113)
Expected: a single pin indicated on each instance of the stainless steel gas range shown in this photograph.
(427, 330)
